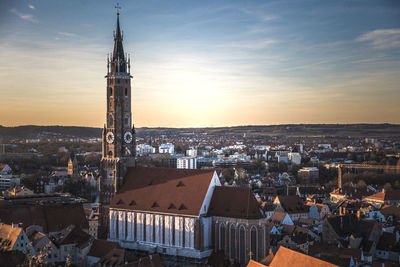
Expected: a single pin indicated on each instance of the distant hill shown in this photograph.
(33, 131)
(292, 130)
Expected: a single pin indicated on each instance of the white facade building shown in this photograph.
(192, 152)
(145, 149)
(166, 148)
(186, 163)
(294, 157)
(163, 211)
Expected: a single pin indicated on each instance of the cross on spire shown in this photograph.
(117, 7)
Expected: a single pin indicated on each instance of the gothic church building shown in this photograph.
(175, 212)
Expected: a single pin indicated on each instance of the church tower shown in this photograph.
(119, 143)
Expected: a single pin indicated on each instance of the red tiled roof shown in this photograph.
(234, 202)
(8, 236)
(253, 263)
(175, 191)
(277, 217)
(50, 217)
(288, 258)
(102, 247)
(292, 204)
(388, 195)
(390, 210)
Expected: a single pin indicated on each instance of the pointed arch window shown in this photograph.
(222, 229)
(253, 243)
(232, 245)
(242, 245)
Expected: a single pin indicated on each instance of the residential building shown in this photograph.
(166, 148)
(192, 152)
(145, 149)
(13, 237)
(294, 158)
(386, 197)
(350, 231)
(308, 175)
(186, 163)
(293, 205)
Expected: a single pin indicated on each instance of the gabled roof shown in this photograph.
(102, 247)
(387, 242)
(334, 251)
(390, 210)
(277, 217)
(292, 204)
(73, 235)
(174, 191)
(253, 263)
(386, 195)
(8, 236)
(51, 217)
(349, 224)
(234, 202)
(288, 258)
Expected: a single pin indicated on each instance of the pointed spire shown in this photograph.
(118, 58)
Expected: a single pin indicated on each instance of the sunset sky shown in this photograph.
(202, 63)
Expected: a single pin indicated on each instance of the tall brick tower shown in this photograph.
(119, 142)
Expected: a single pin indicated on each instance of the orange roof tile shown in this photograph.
(175, 191)
(288, 258)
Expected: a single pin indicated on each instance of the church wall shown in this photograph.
(178, 235)
(262, 237)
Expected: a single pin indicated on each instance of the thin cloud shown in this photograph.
(31, 6)
(381, 39)
(28, 17)
(253, 45)
(67, 34)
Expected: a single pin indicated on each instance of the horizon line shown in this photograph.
(196, 127)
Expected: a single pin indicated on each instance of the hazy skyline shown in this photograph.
(203, 63)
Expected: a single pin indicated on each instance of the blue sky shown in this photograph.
(203, 63)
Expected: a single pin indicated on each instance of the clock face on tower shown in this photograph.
(128, 137)
(110, 137)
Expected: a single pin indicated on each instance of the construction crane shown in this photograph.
(361, 166)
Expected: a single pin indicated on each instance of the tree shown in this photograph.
(387, 187)
(361, 183)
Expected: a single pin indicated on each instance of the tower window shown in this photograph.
(110, 153)
(110, 91)
(117, 81)
(126, 91)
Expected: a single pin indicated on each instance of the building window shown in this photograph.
(242, 245)
(126, 91)
(222, 236)
(233, 242)
(253, 243)
(110, 91)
